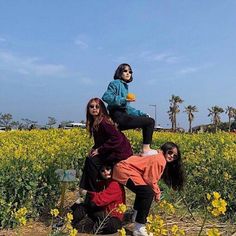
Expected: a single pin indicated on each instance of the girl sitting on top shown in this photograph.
(122, 113)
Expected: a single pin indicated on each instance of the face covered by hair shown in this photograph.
(106, 172)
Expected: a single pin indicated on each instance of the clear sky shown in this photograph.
(55, 55)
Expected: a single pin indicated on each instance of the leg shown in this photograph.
(112, 225)
(143, 200)
(79, 211)
(126, 121)
(90, 174)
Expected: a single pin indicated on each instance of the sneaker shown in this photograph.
(142, 232)
(149, 153)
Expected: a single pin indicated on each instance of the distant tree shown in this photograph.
(28, 124)
(231, 112)
(174, 110)
(215, 112)
(15, 124)
(65, 123)
(190, 110)
(82, 121)
(6, 120)
(51, 121)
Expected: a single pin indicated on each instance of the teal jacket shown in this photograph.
(115, 97)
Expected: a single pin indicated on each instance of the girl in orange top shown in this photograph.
(141, 176)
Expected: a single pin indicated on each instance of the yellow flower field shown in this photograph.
(28, 160)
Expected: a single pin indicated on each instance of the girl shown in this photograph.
(141, 176)
(122, 113)
(110, 145)
(100, 204)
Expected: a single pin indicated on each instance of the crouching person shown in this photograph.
(101, 205)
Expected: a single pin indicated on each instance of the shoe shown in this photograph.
(142, 231)
(149, 153)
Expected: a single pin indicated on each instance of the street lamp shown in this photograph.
(155, 106)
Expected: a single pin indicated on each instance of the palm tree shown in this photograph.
(190, 110)
(215, 112)
(174, 109)
(231, 112)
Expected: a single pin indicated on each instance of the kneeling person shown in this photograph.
(99, 204)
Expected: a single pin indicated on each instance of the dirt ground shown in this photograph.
(191, 227)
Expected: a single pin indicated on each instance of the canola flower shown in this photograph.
(20, 216)
(213, 232)
(54, 212)
(121, 208)
(175, 231)
(166, 207)
(121, 232)
(218, 205)
(156, 225)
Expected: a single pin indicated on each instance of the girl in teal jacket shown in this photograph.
(122, 113)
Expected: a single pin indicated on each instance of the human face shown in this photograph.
(126, 74)
(106, 172)
(171, 155)
(94, 108)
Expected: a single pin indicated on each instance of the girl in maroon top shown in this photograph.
(110, 145)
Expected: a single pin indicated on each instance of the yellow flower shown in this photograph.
(54, 212)
(73, 232)
(208, 196)
(213, 232)
(121, 208)
(121, 232)
(22, 221)
(216, 195)
(174, 229)
(69, 217)
(69, 226)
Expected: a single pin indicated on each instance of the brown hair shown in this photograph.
(93, 124)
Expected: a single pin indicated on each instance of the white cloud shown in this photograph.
(81, 44)
(31, 66)
(86, 81)
(161, 57)
(2, 39)
(188, 70)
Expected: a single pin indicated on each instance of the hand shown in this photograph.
(94, 152)
(158, 197)
(130, 100)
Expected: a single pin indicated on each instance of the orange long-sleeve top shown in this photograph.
(141, 170)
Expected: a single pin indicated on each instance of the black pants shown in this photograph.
(126, 121)
(90, 173)
(94, 219)
(143, 200)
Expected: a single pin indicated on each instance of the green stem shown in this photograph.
(203, 223)
(103, 221)
(186, 204)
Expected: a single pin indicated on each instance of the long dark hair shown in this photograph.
(120, 69)
(92, 123)
(173, 175)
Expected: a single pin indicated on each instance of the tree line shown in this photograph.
(214, 113)
(6, 120)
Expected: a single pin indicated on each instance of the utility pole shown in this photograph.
(155, 106)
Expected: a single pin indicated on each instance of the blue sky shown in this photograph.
(55, 55)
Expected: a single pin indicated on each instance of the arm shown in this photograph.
(112, 96)
(135, 112)
(108, 195)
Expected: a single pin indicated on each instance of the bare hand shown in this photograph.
(130, 100)
(94, 152)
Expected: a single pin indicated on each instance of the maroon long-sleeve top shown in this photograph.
(112, 144)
